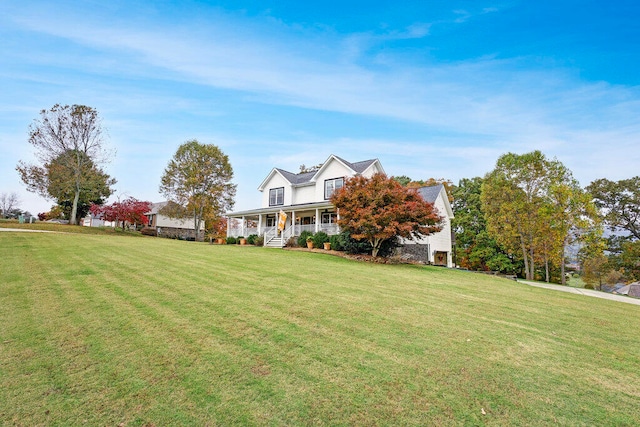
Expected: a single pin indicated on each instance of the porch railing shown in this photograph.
(295, 230)
(288, 233)
(330, 229)
(236, 232)
(270, 234)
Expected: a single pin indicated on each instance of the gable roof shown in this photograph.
(431, 194)
(309, 177)
(155, 207)
(296, 179)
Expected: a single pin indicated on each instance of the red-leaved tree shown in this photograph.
(378, 208)
(130, 210)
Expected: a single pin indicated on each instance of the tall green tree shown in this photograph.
(72, 136)
(198, 178)
(475, 248)
(528, 202)
(59, 181)
(619, 203)
(619, 206)
(569, 215)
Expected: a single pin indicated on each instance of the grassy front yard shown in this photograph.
(107, 330)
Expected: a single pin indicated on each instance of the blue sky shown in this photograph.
(431, 88)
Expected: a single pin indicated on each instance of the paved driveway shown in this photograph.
(588, 292)
(24, 230)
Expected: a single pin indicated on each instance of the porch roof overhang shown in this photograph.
(275, 209)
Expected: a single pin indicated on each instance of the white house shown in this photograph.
(171, 227)
(304, 198)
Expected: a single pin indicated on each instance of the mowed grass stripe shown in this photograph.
(164, 332)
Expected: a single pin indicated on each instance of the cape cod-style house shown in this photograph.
(304, 198)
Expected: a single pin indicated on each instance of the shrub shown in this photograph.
(148, 231)
(302, 239)
(259, 241)
(320, 238)
(388, 247)
(336, 243)
(231, 240)
(352, 245)
(252, 239)
(292, 242)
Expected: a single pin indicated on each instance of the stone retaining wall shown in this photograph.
(178, 233)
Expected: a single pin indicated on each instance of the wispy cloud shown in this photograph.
(482, 96)
(470, 110)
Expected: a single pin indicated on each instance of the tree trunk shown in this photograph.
(562, 278)
(546, 268)
(526, 259)
(376, 246)
(74, 208)
(197, 219)
(531, 263)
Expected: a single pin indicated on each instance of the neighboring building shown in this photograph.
(96, 221)
(304, 197)
(172, 227)
(632, 290)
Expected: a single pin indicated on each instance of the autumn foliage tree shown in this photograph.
(378, 208)
(130, 211)
(198, 178)
(534, 208)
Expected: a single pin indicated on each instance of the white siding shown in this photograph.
(440, 241)
(334, 169)
(371, 170)
(304, 194)
(164, 221)
(276, 181)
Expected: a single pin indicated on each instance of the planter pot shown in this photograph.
(327, 246)
(221, 241)
(243, 241)
(310, 245)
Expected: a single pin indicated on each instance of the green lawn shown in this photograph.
(109, 330)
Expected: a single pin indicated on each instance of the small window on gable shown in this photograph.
(276, 196)
(331, 185)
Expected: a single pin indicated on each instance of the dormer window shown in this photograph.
(331, 185)
(276, 196)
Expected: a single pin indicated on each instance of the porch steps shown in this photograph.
(276, 242)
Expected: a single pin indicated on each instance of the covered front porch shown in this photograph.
(263, 222)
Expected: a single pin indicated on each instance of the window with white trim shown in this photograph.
(276, 196)
(329, 218)
(331, 185)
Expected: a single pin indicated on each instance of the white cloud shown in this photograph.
(470, 112)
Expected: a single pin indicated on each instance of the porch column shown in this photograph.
(317, 219)
(228, 226)
(293, 222)
(259, 224)
(242, 227)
